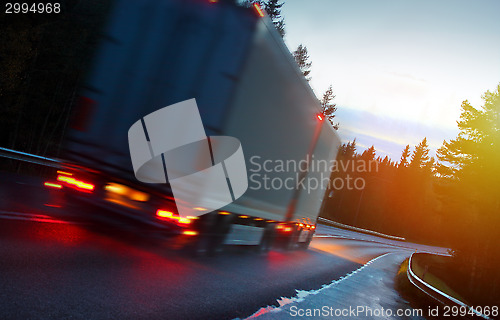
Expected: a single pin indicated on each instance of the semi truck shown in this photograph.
(246, 83)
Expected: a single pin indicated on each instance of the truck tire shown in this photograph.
(293, 240)
(267, 239)
(305, 245)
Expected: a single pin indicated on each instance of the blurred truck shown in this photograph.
(232, 60)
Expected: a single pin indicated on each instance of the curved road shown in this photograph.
(54, 270)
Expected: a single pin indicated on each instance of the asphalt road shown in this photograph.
(72, 271)
(58, 265)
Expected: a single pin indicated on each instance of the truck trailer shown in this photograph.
(247, 85)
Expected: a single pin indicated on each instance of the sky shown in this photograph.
(400, 69)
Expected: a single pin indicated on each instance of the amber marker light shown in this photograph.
(258, 9)
(65, 173)
(52, 185)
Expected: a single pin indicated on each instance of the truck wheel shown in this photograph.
(217, 231)
(201, 245)
(267, 239)
(292, 241)
(305, 245)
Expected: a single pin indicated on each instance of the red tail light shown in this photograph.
(164, 214)
(320, 117)
(283, 228)
(169, 216)
(76, 184)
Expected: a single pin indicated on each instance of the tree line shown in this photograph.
(452, 201)
(388, 201)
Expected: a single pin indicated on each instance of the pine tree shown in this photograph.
(369, 154)
(403, 162)
(386, 161)
(302, 58)
(329, 108)
(477, 146)
(470, 165)
(350, 149)
(273, 9)
(420, 155)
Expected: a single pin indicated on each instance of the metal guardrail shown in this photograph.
(435, 293)
(345, 226)
(40, 160)
(28, 157)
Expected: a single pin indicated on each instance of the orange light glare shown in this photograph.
(139, 196)
(258, 219)
(313, 227)
(258, 9)
(192, 217)
(115, 188)
(224, 212)
(126, 192)
(287, 229)
(320, 117)
(190, 233)
(200, 209)
(243, 217)
(52, 185)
